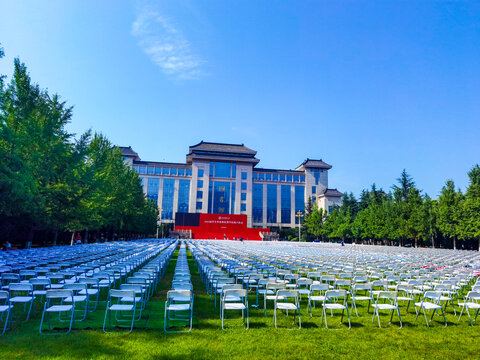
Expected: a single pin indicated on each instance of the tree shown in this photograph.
(470, 208)
(449, 211)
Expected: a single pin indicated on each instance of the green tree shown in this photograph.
(449, 212)
(470, 208)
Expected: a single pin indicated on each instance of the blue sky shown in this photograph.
(371, 87)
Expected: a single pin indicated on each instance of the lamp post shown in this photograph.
(299, 216)
(161, 225)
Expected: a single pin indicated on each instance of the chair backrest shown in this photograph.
(115, 293)
(59, 294)
(179, 294)
(135, 287)
(473, 296)
(432, 295)
(4, 295)
(89, 281)
(335, 294)
(241, 293)
(387, 295)
(362, 286)
(20, 287)
(75, 287)
(286, 294)
(40, 282)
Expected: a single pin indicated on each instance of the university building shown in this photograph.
(225, 179)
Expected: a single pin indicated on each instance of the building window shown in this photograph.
(199, 205)
(199, 194)
(243, 207)
(189, 172)
(314, 189)
(243, 196)
(167, 200)
(330, 208)
(299, 200)
(199, 184)
(158, 171)
(223, 169)
(181, 172)
(282, 178)
(268, 177)
(221, 197)
(232, 203)
(150, 170)
(166, 171)
(286, 204)
(302, 179)
(261, 176)
(135, 168)
(316, 175)
(289, 178)
(254, 176)
(244, 186)
(244, 175)
(234, 170)
(257, 203)
(142, 170)
(173, 171)
(183, 196)
(296, 178)
(271, 203)
(200, 173)
(212, 164)
(152, 189)
(275, 177)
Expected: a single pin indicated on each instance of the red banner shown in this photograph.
(221, 226)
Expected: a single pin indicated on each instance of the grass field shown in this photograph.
(208, 341)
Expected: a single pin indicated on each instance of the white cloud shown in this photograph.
(166, 46)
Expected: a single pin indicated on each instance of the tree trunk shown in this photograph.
(454, 243)
(72, 239)
(55, 237)
(31, 235)
(85, 241)
(416, 243)
(433, 242)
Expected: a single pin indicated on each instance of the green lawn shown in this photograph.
(208, 341)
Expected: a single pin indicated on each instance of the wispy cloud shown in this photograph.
(166, 46)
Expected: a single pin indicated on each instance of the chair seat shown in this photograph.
(39, 292)
(428, 306)
(76, 298)
(445, 298)
(178, 307)
(89, 292)
(404, 298)
(361, 298)
(121, 307)
(21, 299)
(471, 305)
(384, 306)
(59, 308)
(273, 297)
(304, 291)
(234, 306)
(335, 307)
(317, 298)
(286, 306)
(56, 286)
(4, 308)
(130, 299)
(231, 298)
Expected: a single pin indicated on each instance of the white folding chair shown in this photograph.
(5, 308)
(235, 299)
(471, 301)
(287, 300)
(430, 302)
(178, 309)
(336, 300)
(55, 303)
(115, 304)
(386, 300)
